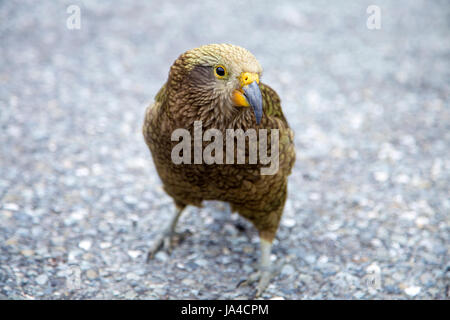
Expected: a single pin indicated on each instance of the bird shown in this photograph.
(219, 86)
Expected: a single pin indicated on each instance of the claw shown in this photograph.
(252, 278)
(263, 277)
(164, 241)
(264, 274)
(264, 280)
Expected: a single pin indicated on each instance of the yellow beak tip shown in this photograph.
(239, 99)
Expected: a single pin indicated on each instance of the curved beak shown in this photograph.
(249, 94)
(254, 97)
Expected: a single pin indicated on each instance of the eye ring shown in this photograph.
(220, 71)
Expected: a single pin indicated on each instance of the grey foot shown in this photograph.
(263, 276)
(166, 242)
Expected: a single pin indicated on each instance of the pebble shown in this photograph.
(381, 176)
(310, 259)
(134, 253)
(91, 274)
(11, 206)
(289, 223)
(422, 221)
(6, 214)
(322, 260)
(132, 276)
(27, 252)
(288, 270)
(130, 200)
(161, 256)
(188, 282)
(85, 245)
(11, 241)
(412, 291)
(105, 245)
(130, 295)
(202, 262)
(42, 279)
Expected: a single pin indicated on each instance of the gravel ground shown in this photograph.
(80, 202)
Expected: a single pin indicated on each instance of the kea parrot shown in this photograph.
(219, 85)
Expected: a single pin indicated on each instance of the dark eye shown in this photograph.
(220, 71)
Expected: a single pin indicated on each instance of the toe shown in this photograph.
(163, 242)
(251, 279)
(263, 283)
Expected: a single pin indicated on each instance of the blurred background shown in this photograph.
(80, 202)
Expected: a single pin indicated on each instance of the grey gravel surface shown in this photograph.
(80, 202)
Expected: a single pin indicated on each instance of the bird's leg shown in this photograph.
(164, 240)
(265, 271)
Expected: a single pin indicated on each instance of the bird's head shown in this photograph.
(217, 82)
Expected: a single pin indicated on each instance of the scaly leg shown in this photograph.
(164, 240)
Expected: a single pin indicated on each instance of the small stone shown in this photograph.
(11, 241)
(192, 265)
(11, 206)
(289, 223)
(202, 262)
(247, 269)
(161, 256)
(314, 196)
(288, 270)
(7, 214)
(376, 242)
(427, 279)
(334, 225)
(412, 291)
(381, 176)
(422, 222)
(402, 179)
(27, 252)
(42, 279)
(85, 245)
(82, 172)
(310, 259)
(322, 260)
(305, 278)
(130, 295)
(391, 289)
(105, 245)
(91, 274)
(132, 276)
(408, 215)
(73, 256)
(130, 200)
(134, 253)
(188, 282)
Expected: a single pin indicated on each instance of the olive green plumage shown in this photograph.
(193, 92)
